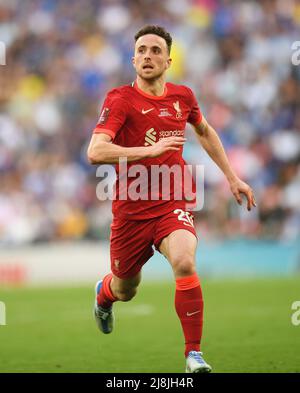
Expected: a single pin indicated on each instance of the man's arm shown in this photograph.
(211, 142)
(102, 151)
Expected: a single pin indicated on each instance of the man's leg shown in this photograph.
(108, 291)
(114, 289)
(179, 248)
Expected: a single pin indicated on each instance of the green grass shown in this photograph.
(247, 329)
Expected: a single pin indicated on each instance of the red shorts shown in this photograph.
(131, 241)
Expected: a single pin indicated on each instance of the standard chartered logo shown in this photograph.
(150, 138)
(2, 314)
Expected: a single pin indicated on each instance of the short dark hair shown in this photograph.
(157, 30)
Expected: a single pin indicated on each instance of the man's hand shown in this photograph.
(173, 143)
(239, 187)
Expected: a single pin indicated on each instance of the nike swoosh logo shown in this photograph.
(148, 110)
(189, 314)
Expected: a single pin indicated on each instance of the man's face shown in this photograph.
(151, 58)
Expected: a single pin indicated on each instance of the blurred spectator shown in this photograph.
(63, 58)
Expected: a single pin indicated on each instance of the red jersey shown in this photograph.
(134, 118)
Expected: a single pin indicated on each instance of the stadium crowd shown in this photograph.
(62, 57)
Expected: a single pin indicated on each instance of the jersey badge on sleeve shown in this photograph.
(104, 116)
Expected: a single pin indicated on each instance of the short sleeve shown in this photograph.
(113, 115)
(195, 116)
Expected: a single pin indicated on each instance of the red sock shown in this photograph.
(189, 308)
(105, 298)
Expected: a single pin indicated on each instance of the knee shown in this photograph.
(184, 266)
(126, 296)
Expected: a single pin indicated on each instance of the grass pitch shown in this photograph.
(247, 329)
